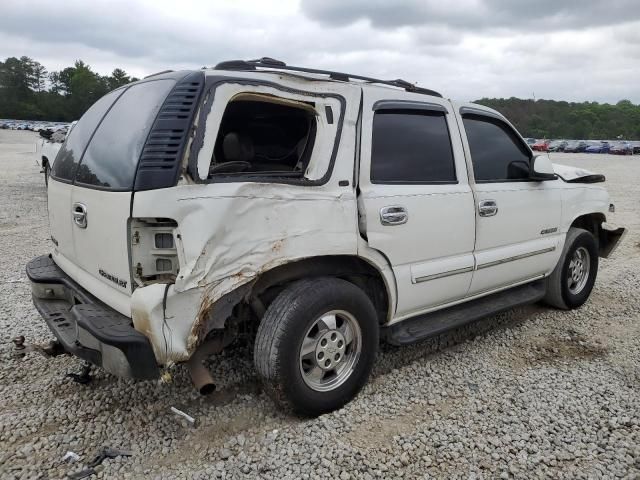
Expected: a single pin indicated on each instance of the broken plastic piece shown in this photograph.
(83, 377)
(186, 416)
(71, 456)
(103, 453)
(108, 452)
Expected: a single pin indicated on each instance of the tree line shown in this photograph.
(29, 92)
(569, 120)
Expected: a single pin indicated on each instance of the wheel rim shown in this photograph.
(330, 350)
(578, 272)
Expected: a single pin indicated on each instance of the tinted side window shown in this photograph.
(411, 146)
(113, 154)
(64, 167)
(496, 152)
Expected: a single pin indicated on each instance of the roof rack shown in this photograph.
(158, 73)
(267, 62)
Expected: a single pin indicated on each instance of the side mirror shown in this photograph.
(542, 169)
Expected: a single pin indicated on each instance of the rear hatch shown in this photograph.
(91, 189)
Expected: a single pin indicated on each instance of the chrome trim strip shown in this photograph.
(514, 258)
(435, 276)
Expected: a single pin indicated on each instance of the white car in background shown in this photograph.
(50, 146)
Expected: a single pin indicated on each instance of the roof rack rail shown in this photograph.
(158, 73)
(267, 62)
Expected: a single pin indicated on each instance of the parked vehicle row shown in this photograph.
(32, 126)
(585, 146)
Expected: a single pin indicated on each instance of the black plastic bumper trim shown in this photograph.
(86, 327)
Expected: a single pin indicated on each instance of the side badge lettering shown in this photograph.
(113, 278)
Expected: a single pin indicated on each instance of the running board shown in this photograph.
(433, 323)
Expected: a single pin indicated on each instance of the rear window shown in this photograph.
(64, 167)
(112, 157)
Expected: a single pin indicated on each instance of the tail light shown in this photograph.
(154, 257)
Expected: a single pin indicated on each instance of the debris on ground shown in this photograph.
(104, 453)
(184, 415)
(71, 457)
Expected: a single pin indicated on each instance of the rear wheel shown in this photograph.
(316, 345)
(571, 282)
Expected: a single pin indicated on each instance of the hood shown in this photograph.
(576, 174)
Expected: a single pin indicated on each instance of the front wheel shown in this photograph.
(571, 282)
(316, 345)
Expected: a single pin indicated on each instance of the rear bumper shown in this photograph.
(86, 327)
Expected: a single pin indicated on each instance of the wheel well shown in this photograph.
(350, 268)
(590, 222)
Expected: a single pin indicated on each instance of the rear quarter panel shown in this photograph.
(230, 232)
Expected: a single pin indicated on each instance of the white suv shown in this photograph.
(315, 210)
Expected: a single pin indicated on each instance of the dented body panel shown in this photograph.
(229, 234)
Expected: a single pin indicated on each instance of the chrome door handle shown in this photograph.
(393, 215)
(487, 208)
(79, 213)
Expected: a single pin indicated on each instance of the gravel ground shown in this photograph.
(530, 393)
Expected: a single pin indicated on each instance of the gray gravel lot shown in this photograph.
(533, 392)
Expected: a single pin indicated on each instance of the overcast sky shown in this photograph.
(467, 49)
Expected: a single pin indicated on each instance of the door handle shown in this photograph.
(487, 208)
(79, 213)
(393, 215)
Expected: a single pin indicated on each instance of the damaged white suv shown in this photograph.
(317, 211)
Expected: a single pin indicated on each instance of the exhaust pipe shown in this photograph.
(200, 376)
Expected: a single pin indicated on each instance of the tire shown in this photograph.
(296, 319)
(565, 291)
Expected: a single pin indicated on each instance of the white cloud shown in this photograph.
(467, 50)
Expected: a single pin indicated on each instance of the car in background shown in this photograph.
(557, 145)
(541, 146)
(622, 148)
(576, 146)
(52, 140)
(530, 141)
(599, 147)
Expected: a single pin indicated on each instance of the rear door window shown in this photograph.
(411, 146)
(111, 160)
(66, 163)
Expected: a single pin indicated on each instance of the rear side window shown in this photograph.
(64, 167)
(411, 146)
(113, 154)
(266, 136)
(497, 153)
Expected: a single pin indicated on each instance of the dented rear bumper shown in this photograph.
(87, 328)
